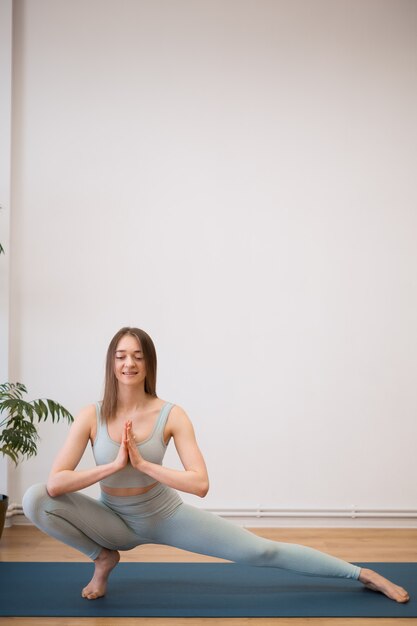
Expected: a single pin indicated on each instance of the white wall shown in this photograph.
(238, 179)
(5, 176)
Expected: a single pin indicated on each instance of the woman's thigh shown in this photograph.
(193, 529)
(77, 519)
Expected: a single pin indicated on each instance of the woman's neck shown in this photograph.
(129, 400)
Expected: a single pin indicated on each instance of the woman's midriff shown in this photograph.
(127, 491)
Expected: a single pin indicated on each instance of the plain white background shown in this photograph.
(238, 179)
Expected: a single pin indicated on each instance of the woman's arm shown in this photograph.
(194, 477)
(63, 478)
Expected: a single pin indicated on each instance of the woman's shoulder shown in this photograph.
(178, 418)
(85, 422)
(87, 414)
(174, 409)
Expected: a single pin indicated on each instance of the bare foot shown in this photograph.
(376, 582)
(104, 563)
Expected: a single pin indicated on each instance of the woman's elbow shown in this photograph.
(52, 488)
(203, 489)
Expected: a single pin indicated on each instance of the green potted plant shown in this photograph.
(18, 431)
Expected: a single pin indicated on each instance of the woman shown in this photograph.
(129, 432)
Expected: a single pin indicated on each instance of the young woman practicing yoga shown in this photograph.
(129, 432)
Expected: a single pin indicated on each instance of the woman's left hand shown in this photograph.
(135, 457)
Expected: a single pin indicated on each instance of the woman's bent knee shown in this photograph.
(34, 501)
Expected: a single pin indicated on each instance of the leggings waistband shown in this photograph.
(159, 500)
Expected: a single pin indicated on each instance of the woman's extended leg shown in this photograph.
(192, 529)
(84, 524)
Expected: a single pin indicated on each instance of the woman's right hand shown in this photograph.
(123, 455)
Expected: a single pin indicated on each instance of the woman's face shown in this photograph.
(129, 363)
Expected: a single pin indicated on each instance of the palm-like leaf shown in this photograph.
(19, 435)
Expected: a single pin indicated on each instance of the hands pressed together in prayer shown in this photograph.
(128, 449)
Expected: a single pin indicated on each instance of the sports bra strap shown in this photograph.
(98, 414)
(162, 420)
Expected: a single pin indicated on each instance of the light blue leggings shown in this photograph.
(160, 516)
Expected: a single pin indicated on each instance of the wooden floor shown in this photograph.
(26, 543)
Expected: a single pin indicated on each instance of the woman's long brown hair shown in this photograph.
(109, 405)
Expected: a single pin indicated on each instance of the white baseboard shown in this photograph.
(323, 518)
(285, 518)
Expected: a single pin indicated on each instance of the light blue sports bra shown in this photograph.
(105, 450)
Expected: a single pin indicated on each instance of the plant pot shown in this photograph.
(4, 503)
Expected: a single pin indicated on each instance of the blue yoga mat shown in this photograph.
(197, 590)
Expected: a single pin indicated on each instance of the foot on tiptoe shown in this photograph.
(104, 563)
